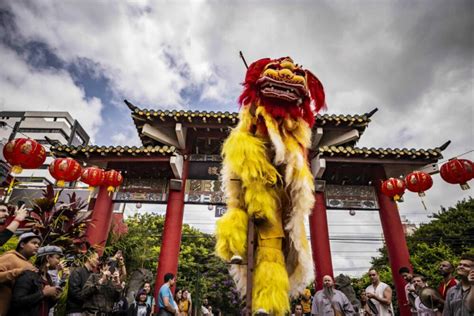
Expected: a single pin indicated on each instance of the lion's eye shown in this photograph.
(273, 66)
(299, 72)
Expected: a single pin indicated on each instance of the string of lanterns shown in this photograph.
(24, 153)
(455, 171)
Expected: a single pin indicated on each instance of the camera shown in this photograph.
(62, 283)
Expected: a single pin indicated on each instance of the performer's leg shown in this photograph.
(231, 234)
(270, 283)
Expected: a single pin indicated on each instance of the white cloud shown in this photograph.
(413, 62)
(28, 89)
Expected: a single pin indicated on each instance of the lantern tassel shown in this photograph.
(110, 189)
(10, 187)
(17, 169)
(398, 198)
(56, 196)
(423, 202)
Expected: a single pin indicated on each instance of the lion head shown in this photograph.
(283, 88)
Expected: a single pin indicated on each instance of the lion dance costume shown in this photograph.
(266, 175)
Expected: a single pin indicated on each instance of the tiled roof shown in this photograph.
(384, 153)
(231, 118)
(113, 150)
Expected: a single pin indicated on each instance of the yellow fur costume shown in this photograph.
(266, 175)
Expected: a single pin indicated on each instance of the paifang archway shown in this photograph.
(179, 163)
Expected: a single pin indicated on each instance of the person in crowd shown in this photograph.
(20, 215)
(305, 302)
(298, 310)
(184, 303)
(446, 269)
(166, 303)
(330, 301)
(102, 290)
(206, 309)
(460, 298)
(13, 263)
(35, 293)
(59, 276)
(364, 309)
(409, 287)
(150, 300)
(178, 295)
(470, 295)
(77, 280)
(117, 261)
(140, 307)
(419, 282)
(121, 306)
(380, 294)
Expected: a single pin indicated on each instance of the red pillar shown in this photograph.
(98, 228)
(170, 244)
(395, 240)
(318, 226)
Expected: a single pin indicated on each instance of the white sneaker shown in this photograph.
(261, 312)
(236, 259)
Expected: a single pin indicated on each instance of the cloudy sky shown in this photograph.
(411, 59)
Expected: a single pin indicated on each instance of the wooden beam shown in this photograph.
(341, 138)
(317, 135)
(176, 163)
(131, 159)
(318, 166)
(181, 135)
(163, 136)
(383, 161)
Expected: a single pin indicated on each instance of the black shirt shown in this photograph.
(5, 235)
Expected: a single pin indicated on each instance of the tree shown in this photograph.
(446, 237)
(199, 270)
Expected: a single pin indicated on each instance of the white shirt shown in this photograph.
(383, 310)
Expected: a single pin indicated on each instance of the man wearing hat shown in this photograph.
(13, 263)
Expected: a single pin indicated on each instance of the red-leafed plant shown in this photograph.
(62, 225)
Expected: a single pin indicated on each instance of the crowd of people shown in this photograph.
(452, 297)
(98, 286)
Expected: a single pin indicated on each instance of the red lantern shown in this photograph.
(419, 182)
(457, 171)
(93, 177)
(65, 170)
(112, 180)
(393, 188)
(24, 153)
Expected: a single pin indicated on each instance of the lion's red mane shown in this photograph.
(312, 103)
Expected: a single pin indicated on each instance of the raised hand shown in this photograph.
(21, 213)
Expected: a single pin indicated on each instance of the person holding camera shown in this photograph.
(35, 293)
(117, 261)
(20, 215)
(101, 291)
(77, 280)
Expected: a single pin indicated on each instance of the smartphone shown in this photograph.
(20, 203)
